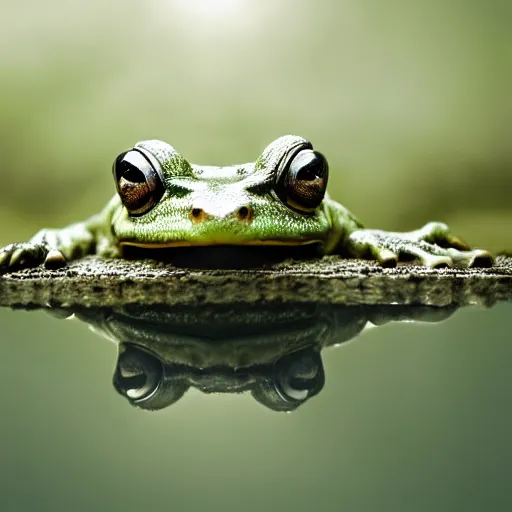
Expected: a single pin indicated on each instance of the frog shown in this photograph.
(280, 200)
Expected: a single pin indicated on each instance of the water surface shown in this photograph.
(412, 416)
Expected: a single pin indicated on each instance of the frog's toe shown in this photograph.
(476, 258)
(387, 258)
(18, 257)
(439, 233)
(435, 228)
(428, 255)
(22, 255)
(5, 256)
(54, 259)
(456, 243)
(435, 261)
(481, 259)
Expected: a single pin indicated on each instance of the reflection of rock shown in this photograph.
(269, 350)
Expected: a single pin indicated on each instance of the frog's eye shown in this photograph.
(147, 382)
(138, 374)
(138, 184)
(296, 377)
(303, 182)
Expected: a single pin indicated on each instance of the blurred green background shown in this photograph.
(410, 102)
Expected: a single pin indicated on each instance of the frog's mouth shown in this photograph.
(246, 255)
(170, 245)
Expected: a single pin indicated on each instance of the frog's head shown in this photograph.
(167, 202)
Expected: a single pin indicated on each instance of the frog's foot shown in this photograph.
(439, 235)
(433, 245)
(29, 254)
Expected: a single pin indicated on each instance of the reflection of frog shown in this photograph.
(270, 350)
(163, 202)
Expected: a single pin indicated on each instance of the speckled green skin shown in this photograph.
(219, 193)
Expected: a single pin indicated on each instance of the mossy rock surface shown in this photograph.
(94, 281)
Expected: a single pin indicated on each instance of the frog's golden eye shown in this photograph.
(303, 182)
(138, 184)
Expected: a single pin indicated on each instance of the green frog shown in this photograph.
(280, 201)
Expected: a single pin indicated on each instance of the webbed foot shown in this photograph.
(433, 245)
(29, 254)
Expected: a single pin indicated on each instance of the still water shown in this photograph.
(390, 408)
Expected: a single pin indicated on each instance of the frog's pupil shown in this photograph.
(310, 166)
(135, 382)
(133, 174)
(307, 174)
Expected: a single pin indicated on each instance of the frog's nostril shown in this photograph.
(245, 213)
(197, 214)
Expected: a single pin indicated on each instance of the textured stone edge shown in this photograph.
(98, 282)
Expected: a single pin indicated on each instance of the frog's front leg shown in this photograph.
(52, 247)
(433, 245)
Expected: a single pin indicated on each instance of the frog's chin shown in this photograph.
(249, 255)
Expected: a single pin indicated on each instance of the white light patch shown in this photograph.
(209, 21)
(210, 8)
